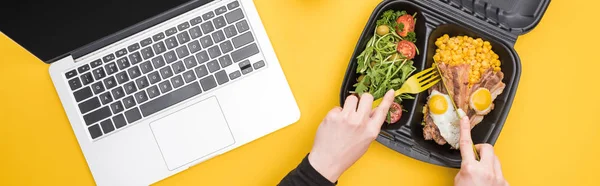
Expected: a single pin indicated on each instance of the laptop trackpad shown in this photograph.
(192, 133)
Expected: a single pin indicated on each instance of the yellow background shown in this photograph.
(550, 138)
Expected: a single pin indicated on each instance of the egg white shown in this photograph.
(448, 122)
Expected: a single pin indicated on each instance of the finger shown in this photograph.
(365, 105)
(465, 143)
(486, 153)
(498, 168)
(350, 105)
(382, 110)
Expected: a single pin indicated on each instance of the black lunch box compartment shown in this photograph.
(500, 22)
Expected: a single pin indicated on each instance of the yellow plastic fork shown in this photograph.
(416, 83)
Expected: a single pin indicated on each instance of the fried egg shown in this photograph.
(481, 101)
(444, 116)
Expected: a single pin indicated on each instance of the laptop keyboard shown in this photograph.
(165, 69)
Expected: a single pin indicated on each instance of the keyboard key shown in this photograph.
(194, 46)
(128, 102)
(158, 62)
(154, 77)
(230, 31)
(244, 53)
(110, 82)
(195, 32)
(182, 51)
(159, 47)
(219, 22)
(242, 40)
(171, 42)
(178, 67)
(234, 16)
(133, 47)
(133, 115)
(220, 10)
(123, 63)
(170, 99)
(206, 41)
(208, 83)
(153, 92)
(245, 67)
(158, 37)
(89, 105)
(213, 66)
(97, 115)
(207, 27)
(214, 52)
(82, 94)
(98, 88)
(242, 26)
(134, 72)
(202, 57)
(87, 78)
(111, 68)
(183, 26)
(130, 87)
(218, 36)
(95, 131)
(83, 68)
(74, 83)
(171, 31)
(226, 46)
(177, 81)
(117, 107)
(146, 67)
(183, 37)
(71, 74)
(165, 86)
(108, 58)
(189, 76)
(235, 75)
(221, 77)
(201, 71)
(170, 56)
(142, 82)
(196, 21)
(118, 93)
(135, 58)
(96, 63)
(208, 15)
(122, 77)
(166, 72)
(99, 73)
(225, 61)
(119, 121)
(141, 96)
(146, 42)
(233, 5)
(107, 126)
(106, 98)
(121, 52)
(190, 62)
(147, 53)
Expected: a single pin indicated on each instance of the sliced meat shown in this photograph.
(492, 81)
(430, 131)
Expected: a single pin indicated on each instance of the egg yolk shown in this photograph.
(438, 104)
(481, 99)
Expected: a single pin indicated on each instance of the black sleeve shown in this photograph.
(305, 174)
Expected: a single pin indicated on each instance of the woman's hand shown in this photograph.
(346, 133)
(487, 171)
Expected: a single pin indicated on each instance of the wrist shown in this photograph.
(325, 167)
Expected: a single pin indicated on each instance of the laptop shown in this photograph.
(153, 87)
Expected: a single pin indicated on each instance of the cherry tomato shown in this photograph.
(407, 49)
(409, 25)
(395, 112)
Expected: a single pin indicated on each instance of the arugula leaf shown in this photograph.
(411, 36)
